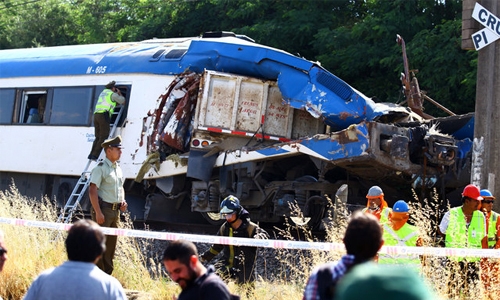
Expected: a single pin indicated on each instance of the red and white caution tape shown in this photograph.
(275, 244)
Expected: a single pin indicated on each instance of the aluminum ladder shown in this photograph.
(84, 180)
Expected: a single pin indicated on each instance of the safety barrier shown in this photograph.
(264, 243)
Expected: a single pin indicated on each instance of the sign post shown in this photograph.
(486, 145)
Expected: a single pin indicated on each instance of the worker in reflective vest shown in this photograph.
(376, 204)
(464, 227)
(399, 233)
(106, 103)
(490, 267)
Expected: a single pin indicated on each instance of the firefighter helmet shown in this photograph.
(486, 194)
(472, 191)
(229, 205)
(400, 206)
(375, 192)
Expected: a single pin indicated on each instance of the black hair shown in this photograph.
(85, 241)
(181, 250)
(363, 236)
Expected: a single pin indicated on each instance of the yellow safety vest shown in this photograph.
(458, 235)
(405, 236)
(105, 103)
(384, 214)
(492, 230)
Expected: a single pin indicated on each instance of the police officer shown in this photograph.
(103, 111)
(239, 261)
(108, 197)
(376, 204)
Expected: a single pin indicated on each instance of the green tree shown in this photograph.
(35, 24)
(354, 39)
(366, 55)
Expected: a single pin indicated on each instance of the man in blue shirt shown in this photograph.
(79, 277)
(362, 240)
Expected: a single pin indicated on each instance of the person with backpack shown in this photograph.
(197, 282)
(239, 261)
(362, 240)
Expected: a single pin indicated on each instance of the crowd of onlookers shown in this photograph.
(362, 273)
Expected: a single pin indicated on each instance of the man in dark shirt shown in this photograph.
(197, 282)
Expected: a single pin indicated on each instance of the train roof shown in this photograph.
(154, 56)
(304, 84)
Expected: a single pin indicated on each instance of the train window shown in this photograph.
(33, 107)
(71, 106)
(7, 100)
(175, 53)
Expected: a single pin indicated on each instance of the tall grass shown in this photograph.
(32, 250)
(139, 269)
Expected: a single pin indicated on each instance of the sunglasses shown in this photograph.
(487, 201)
(3, 251)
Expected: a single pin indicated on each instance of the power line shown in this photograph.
(10, 5)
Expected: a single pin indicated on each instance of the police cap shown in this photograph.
(110, 85)
(114, 142)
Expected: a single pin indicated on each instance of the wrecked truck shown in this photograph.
(215, 115)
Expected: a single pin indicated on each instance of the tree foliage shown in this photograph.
(354, 39)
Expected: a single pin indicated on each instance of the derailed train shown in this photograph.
(215, 115)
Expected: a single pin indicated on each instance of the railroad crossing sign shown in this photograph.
(491, 32)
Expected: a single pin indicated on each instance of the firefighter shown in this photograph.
(376, 204)
(490, 267)
(399, 233)
(239, 261)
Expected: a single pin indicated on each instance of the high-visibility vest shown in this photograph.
(406, 236)
(492, 229)
(459, 236)
(384, 214)
(105, 103)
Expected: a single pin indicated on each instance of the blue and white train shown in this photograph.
(215, 115)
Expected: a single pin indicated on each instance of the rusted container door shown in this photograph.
(249, 105)
(219, 101)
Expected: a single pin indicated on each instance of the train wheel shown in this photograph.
(315, 209)
(213, 218)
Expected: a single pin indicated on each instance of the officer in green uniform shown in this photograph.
(108, 197)
(104, 108)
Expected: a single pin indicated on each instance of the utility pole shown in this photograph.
(486, 149)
